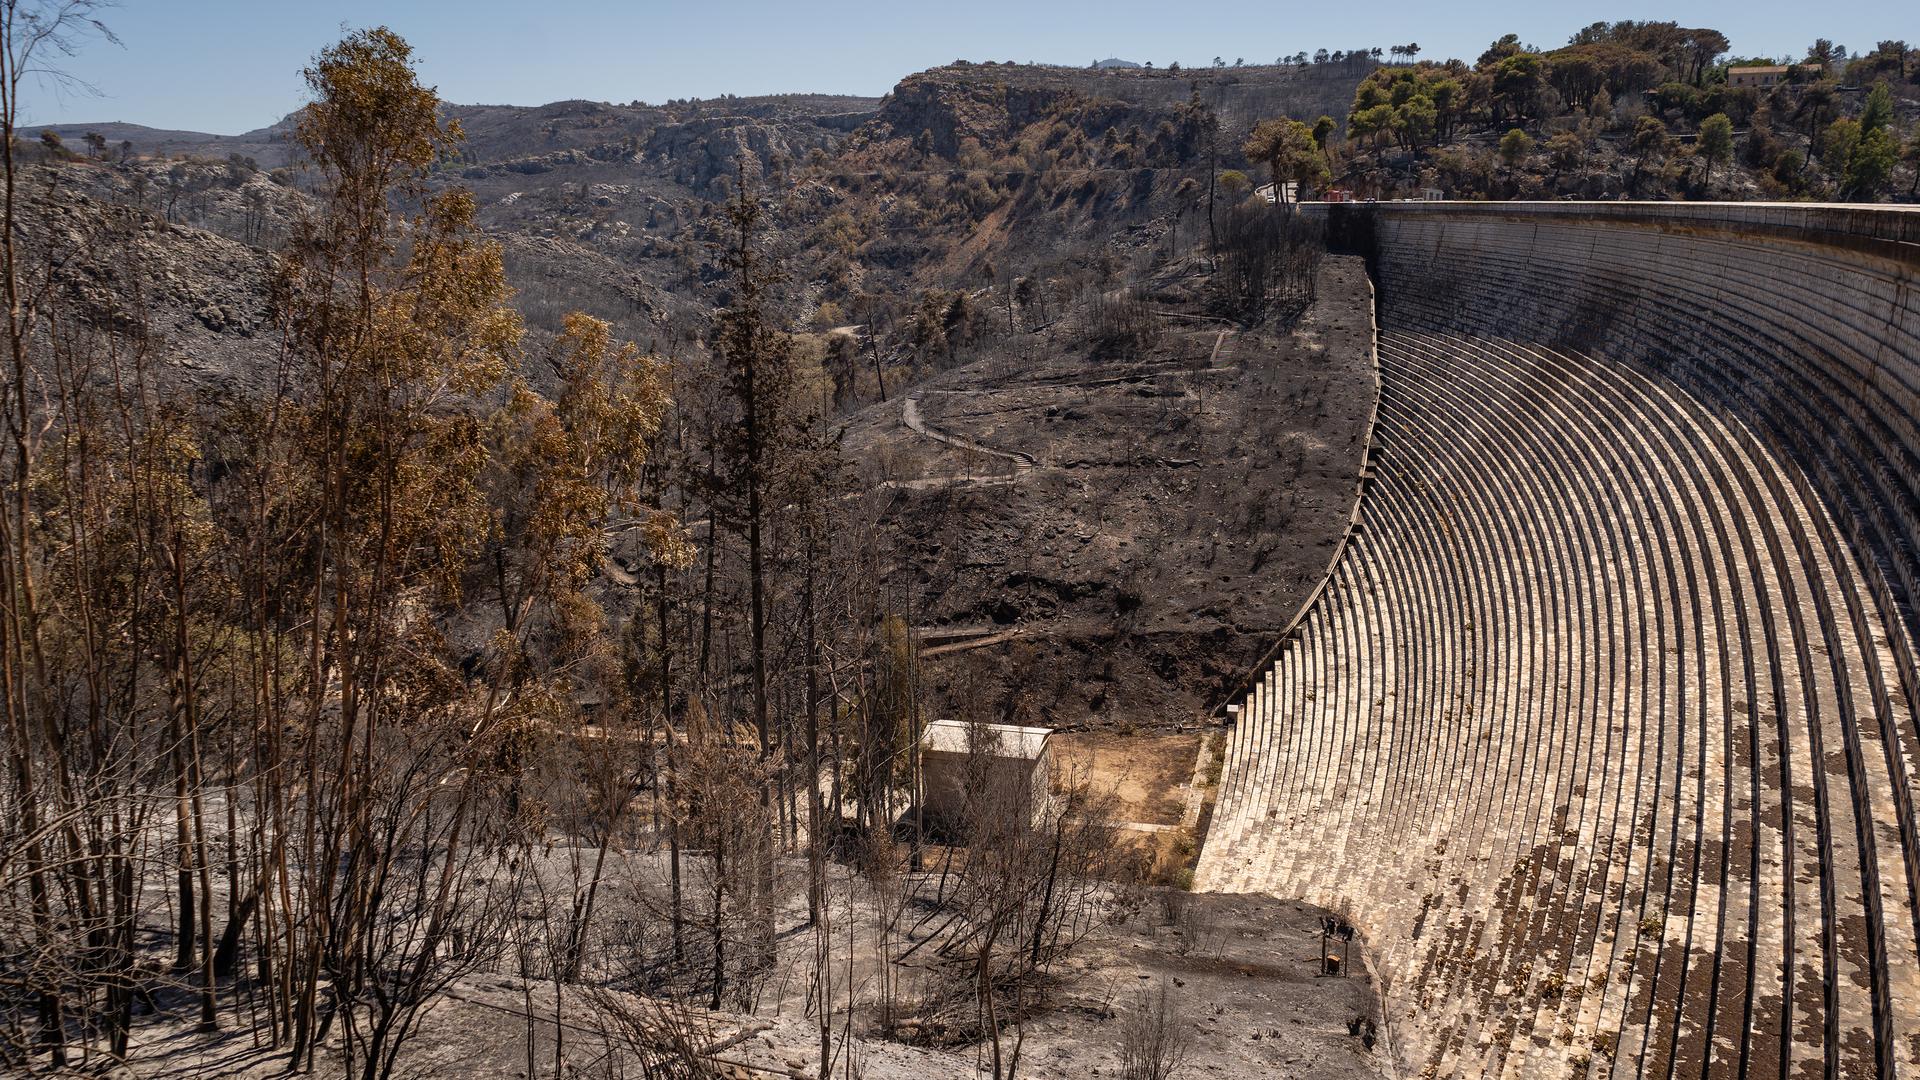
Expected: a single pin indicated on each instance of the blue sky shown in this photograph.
(228, 66)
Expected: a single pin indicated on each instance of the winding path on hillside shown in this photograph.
(910, 416)
(1023, 464)
(1021, 461)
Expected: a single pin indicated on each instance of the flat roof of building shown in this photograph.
(1008, 740)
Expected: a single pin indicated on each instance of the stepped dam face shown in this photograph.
(1603, 729)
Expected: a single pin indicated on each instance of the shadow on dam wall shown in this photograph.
(1801, 321)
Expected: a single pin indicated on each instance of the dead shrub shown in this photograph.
(1155, 1039)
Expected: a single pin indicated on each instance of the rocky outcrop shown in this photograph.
(994, 104)
(201, 300)
(700, 150)
(990, 112)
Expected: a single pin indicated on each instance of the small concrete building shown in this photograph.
(1010, 763)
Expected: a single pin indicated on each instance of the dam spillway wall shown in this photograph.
(1800, 319)
(1603, 729)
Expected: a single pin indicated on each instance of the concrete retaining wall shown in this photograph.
(1604, 728)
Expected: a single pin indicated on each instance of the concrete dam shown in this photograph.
(1602, 728)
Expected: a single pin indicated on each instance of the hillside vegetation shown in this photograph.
(964, 223)
(1644, 110)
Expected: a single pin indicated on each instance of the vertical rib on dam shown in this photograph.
(1603, 727)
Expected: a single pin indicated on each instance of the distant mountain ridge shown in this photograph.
(266, 145)
(270, 146)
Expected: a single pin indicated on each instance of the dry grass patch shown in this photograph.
(1147, 774)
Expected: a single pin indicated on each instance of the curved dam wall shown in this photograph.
(1814, 310)
(1800, 321)
(1603, 729)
